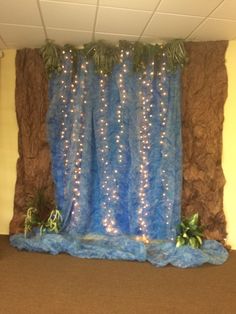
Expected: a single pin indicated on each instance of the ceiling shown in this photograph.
(27, 23)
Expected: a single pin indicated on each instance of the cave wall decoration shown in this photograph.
(34, 162)
(116, 161)
(204, 91)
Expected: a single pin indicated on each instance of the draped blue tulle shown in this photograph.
(116, 161)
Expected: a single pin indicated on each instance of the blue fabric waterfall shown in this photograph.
(116, 162)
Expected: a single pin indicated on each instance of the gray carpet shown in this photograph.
(33, 283)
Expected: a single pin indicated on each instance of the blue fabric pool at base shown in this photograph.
(158, 253)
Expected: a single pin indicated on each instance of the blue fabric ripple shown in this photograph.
(158, 253)
(83, 156)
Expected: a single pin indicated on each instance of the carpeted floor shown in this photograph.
(33, 283)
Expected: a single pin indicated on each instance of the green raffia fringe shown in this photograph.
(105, 55)
(190, 232)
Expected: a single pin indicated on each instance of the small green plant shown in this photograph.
(31, 220)
(190, 232)
(38, 215)
(53, 223)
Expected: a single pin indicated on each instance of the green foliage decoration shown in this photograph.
(51, 55)
(106, 55)
(176, 54)
(190, 232)
(143, 54)
(53, 223)
(31, 220)
(37, 206)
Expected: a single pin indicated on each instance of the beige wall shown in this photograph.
(8, 142)
(229, 146)
(8, 138)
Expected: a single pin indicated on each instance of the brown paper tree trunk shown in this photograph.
(34, 162)
(204, 91)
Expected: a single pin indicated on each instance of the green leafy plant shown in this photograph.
(31, 220)
(40, 216)
(53, 223)
(190, 232)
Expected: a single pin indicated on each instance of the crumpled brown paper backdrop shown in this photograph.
(204, 91)
(34, 162)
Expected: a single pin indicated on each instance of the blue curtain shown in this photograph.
(116, 149)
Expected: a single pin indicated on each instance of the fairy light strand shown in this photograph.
(72, 112)
(108, 181)
(121, 107)
(145, 98)
(64, 110)
(163, 113)
(78, 138)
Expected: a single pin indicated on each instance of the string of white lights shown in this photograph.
(75, 113)
(163, 92)
(78, 137)
(145, 96)
(121, 105)
(64, 110)
(108, 180)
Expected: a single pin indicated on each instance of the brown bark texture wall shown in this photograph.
(34, 162)
(204, 92)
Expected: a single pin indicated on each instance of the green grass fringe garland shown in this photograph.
(105, 55)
